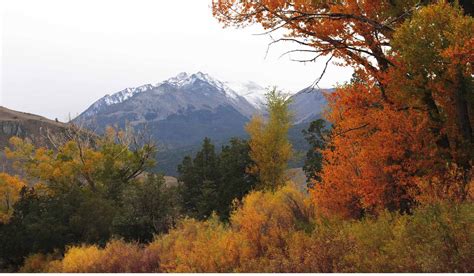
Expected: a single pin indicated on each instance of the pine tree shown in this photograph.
(211, 182)
(316, 135)
(234, 182)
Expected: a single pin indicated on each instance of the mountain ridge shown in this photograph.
(250, 91)
(181, 111)
(179, 81)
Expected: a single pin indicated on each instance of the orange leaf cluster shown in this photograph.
(376, 155)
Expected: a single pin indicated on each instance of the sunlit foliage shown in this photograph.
(85, 190)
(278, 232)
(10, 188)
(403, 127)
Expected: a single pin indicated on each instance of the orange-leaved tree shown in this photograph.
(376, 155)
(416, 146)
(403, 127)
(358, 32)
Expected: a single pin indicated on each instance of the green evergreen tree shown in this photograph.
(148, 208)
(210, 182)
(235, 182)
(189, 187)
(198, 178)
(316, 135)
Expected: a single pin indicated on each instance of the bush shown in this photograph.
(117, 257)
(197, 247)
(279, 232)
(437, 238)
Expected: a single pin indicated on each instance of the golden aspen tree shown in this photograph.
(270, 148)
(10, 187)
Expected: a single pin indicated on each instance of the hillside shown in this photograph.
(26, 126)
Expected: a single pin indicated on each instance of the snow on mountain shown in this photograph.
(116, 98)
(251, 91)
(184, 79)
(179, 111)
(246, 97)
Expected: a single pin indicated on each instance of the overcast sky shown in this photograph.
(58, 56)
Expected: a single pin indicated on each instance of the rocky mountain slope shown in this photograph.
(308, 104)
(184, 109)
(177, 112)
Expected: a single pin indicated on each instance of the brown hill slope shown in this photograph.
(26, 126)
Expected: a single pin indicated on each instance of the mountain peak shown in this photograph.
(234, 91)
(125, 94)
(178, 80)
(184, 79)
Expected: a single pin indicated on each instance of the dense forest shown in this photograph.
(389, 189)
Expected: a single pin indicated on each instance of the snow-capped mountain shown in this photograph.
(184, 109)
(180, 111)
(251, 92)
(115, 98)
(184, 79)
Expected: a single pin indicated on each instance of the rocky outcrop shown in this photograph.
(12, 128)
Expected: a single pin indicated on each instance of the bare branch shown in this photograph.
(316, 82)
(349, 130)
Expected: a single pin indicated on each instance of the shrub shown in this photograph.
(279, 232)
(437, 238)
(183, 249)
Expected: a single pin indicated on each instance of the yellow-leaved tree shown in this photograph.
(270, 148)
(10, 187)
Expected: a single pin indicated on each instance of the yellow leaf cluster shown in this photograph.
(10, 187)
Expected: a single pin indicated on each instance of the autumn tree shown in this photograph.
(269, 145)
(103, 165)
(375, 156)
(410, 149)
(434, 52)
(10, 187)
(79, 190)
(413, 62)
(356, 32)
